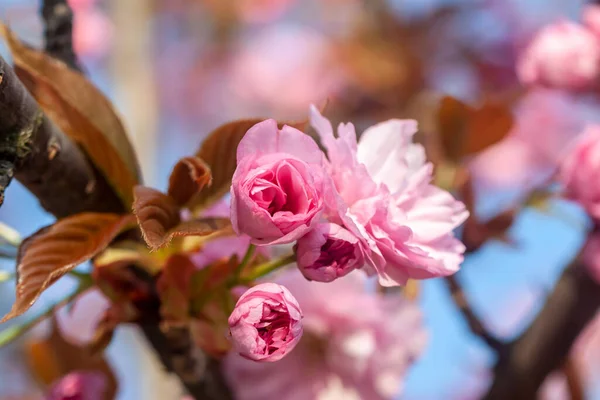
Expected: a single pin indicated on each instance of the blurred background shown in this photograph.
(176, 69)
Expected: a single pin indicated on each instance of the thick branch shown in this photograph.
(470, 317)
(545, 345)
(58, 31)
(174, 349)
(43, 159)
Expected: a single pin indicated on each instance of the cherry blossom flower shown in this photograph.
(385, 198)
(356, 345)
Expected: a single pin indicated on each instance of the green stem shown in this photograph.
(9, 235)
(13, 332)
(267, 268)
(245, 261)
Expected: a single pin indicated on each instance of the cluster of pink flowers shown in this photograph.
(368, 205)
(564, 54)
(343, 354)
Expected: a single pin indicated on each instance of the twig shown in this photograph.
(58, 31)
(268, 267)
(470, 317)
(9, 334)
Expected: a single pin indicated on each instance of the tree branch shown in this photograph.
(58, 31)
(470, 317)
(545, 345)
(43, 158)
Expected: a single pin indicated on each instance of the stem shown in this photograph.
(15, 331)
(245, 261)
(9, 235)
(267, 268)
(6, 276)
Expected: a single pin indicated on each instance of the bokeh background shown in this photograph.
(178, 68)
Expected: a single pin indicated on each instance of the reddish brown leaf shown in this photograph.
(465, 130)
(81, 111)
(190, 175)
(156, 214)
(52, 357)
(158, 217)
(174, 287)
(452, 124)
(219, 151)
(487, 125)
(55, 250)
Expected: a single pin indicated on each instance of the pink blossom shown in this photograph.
(385, 198)
(581, 169)
(591, 18)
(277, 188)
(284, 68)
(78, 323)
(328, 252)
(564, 55)
(78, 386)
(266, 323)
(356, 345)
(92, 33)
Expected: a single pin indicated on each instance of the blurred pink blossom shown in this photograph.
(92, 33)
(78, 5)
(78, 323)
(385, 198)
(356, 345)
(580, 171)
(284, 68)
(78, 386)
(591, 18)
(266, 323)
(546, 122)
(563, 55)
(278, 186)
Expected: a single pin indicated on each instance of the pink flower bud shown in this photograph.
(266, 323)
(580, 171)
(79, 386)
(562, 55)
(328, 252)
(277, 188)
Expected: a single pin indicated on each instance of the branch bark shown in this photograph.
(545, 345)
(470, 317)
(58, 31)
(43, 158)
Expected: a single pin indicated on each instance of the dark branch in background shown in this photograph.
(545, 345)
(58, 31)
(470, 317)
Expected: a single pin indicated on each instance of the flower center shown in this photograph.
(274, 328)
